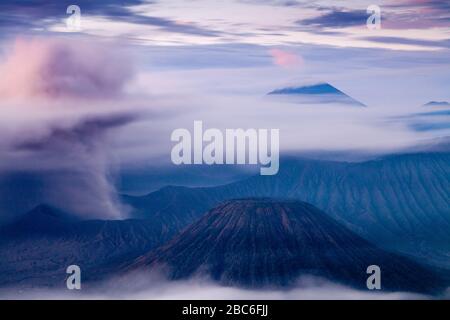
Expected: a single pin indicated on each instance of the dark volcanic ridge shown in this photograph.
(260, 242)
(36, 249)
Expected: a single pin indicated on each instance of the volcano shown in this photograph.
(261, 242)
(399, 202)
(437, 104)
(321, 93)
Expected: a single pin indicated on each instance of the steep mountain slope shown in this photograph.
(36, 250)
(400, 202)
(173, 206)
(265, 242)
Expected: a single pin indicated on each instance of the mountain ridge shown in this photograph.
(264, 242)
(37, 248)
(399, 201)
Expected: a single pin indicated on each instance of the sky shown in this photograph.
(88, 103)
(320, 40)
(302, 38)
(406, 24)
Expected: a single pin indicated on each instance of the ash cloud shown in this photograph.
(61, 102)
(57, 68)
(68, 167)
(85, 133)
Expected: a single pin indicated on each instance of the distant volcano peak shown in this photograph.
(317, 94)
(437, 104)
(320, 88)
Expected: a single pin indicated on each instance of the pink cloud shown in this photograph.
(285, 59)
(46, 68)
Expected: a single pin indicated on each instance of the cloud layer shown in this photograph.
(145, 286)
